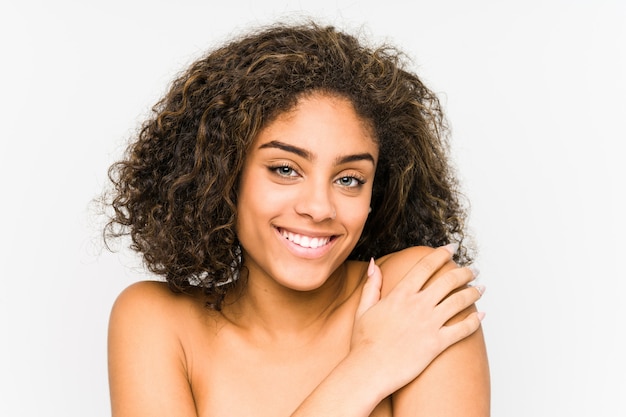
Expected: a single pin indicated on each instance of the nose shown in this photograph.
(315, 201)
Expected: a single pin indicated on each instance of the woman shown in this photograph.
(271, 175)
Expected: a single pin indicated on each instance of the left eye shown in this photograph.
(348, 182)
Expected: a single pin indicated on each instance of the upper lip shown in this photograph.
(306, 232)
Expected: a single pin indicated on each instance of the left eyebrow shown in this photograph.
(309, 156)
(357, 157)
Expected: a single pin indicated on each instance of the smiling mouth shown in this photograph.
(306, 241)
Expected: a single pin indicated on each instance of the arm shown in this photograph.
(146, 363)
(456, 383)
(396, 338)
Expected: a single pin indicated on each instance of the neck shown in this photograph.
(272, 311)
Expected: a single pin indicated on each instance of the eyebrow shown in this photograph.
(288, 148)
(365, 156)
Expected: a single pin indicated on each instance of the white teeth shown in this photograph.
(305, 241)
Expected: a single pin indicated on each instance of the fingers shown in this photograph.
(464, 328)
(448, 282)
(371, 289)
(457, 302)
(426, 267)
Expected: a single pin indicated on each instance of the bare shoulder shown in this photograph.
(408, 256)
(394, 266)
(144, 312)
(145, 293)
(457, 381)
(152, 298)
(152, 309)
(145, 351)
(142, 292)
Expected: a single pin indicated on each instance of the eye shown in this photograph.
(283, 170)
(350, 182)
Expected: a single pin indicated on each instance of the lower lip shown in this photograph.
(302, 252)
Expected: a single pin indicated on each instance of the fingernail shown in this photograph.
(452, 248)
(475, 270)
(481, 289)
(481, 315)
(370, 268)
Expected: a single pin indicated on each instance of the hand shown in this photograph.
(399, 335)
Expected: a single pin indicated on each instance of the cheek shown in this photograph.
(360, 219)
(355, 214)
(260, 199)
(246, 200)
(250, 191)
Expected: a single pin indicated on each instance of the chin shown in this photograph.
(309, 279)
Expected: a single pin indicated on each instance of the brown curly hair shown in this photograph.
(175, 192)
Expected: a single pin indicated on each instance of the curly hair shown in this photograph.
(175, 191)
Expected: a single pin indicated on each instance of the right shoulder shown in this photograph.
(146, 352)
(145, 309)
(151, 304)
(144, 298)
(144, 295)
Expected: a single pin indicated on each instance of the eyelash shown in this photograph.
(280, 171)
(276, 169)
(359, 181)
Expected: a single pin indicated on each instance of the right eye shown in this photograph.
(283, 170)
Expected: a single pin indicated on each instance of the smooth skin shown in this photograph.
(311, 334)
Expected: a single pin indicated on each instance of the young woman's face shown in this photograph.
(305, 192)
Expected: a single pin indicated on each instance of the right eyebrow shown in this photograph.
(288, 148)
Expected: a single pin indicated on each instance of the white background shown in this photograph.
(536, 96)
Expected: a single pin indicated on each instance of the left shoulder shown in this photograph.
(457, 381)
(396, 265)
(410, 255)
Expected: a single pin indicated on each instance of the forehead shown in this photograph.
(321, 120)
